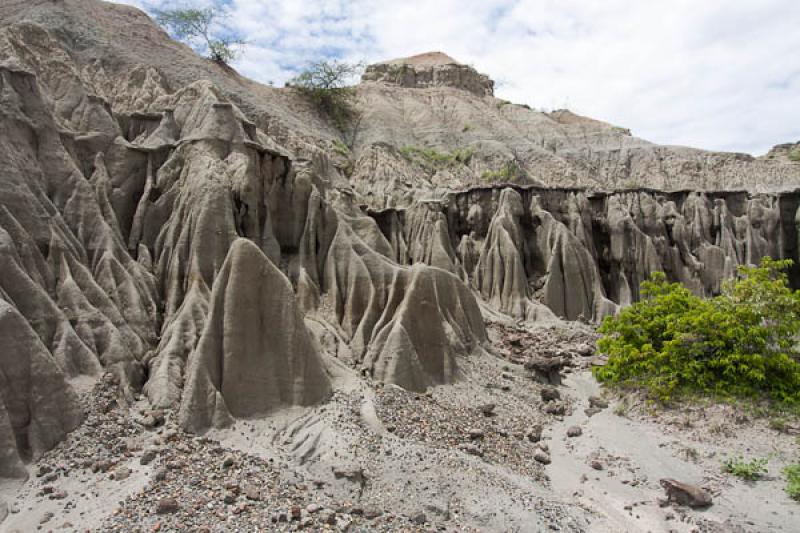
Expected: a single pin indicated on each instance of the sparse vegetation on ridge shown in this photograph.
(510, 172)
(340, 148)
(794, 155)
(741, 343)
(433, 158)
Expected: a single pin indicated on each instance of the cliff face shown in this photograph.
(166, 220)
(433, 69)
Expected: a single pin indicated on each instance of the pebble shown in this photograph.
(167, 505)
(550, 394)
(542, 457)
(148, 456)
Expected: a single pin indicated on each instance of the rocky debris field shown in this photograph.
(176, 481)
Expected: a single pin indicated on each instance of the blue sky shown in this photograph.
(714, 74)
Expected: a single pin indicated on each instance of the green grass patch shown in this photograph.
(751, 470)
(792, 473)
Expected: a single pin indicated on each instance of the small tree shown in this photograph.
(193, 24)
(327, 85)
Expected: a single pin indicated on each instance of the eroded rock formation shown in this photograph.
(192, 232)
(533, 252)
(255, 353)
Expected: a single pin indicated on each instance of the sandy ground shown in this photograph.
(92, 499)
(636, 452)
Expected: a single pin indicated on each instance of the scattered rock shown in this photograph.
(550, 394)
(574, 431)
(251, 492)
(148, 456)
(598, 402)
(555, 408)
(547, 369)
(534, 433)
(327, 516)
(160, 474)
(475, 433)
(591, 411)
(487, 409)
(167, 506)
(295, 513)
(585, 350)
(542, 457)
(121, 473)
(471, 449)
(355, 474)
(685, 493)
(419, 519)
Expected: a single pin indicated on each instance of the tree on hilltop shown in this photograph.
(192, 25)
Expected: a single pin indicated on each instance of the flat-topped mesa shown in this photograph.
(431, 69)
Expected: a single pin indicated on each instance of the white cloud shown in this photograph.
(717, 74)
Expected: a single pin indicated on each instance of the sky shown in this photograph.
(714, 74)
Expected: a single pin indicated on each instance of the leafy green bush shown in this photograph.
(325, 85)
(738, 344)
(794, 155)
(432, 158)
(510, 172)
(748, 470)
(792, 473)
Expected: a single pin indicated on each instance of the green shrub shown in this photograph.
(748, 470)
(792, 473)
(794, 155)
(432, 158)
(738, 344)
(325, 85)
(510, 172)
